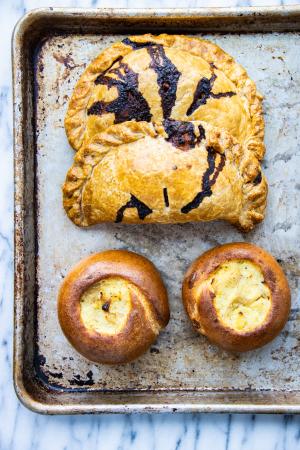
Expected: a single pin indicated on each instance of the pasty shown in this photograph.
(174, 171)
(154, 78)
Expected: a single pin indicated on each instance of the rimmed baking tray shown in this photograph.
(182, 371)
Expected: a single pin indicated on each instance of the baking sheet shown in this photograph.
(180, 360)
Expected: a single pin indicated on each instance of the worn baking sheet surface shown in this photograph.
(180, 359)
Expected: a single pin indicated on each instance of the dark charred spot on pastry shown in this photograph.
(166, 197)
(165, 87)
(96, 109)
(181, 134)
(257, 179)
(208, 180)
(201, 133)
(130, 104)
(136, 45)
(204, 91)
(142, 209)
(167, 77)
(106, 306)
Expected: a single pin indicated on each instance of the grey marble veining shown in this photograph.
(21, 429)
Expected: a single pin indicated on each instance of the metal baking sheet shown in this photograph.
(182, 371)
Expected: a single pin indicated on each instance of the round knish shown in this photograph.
(237, 295)
(112, 306)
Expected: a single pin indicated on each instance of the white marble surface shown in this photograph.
(22, 429)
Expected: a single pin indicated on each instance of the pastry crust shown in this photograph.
(138, 172)
(166, 77)
(138, 326)
(199, 297)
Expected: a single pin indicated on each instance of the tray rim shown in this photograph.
(21, 390)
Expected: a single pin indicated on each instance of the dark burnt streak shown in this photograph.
(202, 133)
(137, 45)
(182, 134)
(204, 91)
(166, 71)
(208, 180)
(166, 197)
(106, 306)
(130, 104)
(167, 77)
(142, 209)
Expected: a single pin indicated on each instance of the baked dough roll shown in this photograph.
(154, 78)
(237, 295)
(138, 172)
(112, 306)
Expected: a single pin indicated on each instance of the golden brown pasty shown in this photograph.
(139, 172)
(155, 78)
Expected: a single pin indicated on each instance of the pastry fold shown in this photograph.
(165, 172)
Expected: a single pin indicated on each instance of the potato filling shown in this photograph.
(104, 306)
(242, 298)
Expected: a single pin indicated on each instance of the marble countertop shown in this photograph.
(24, 430)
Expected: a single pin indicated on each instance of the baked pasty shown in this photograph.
(112, 306)
(139, 172)
(237, 295)
(155, 78)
